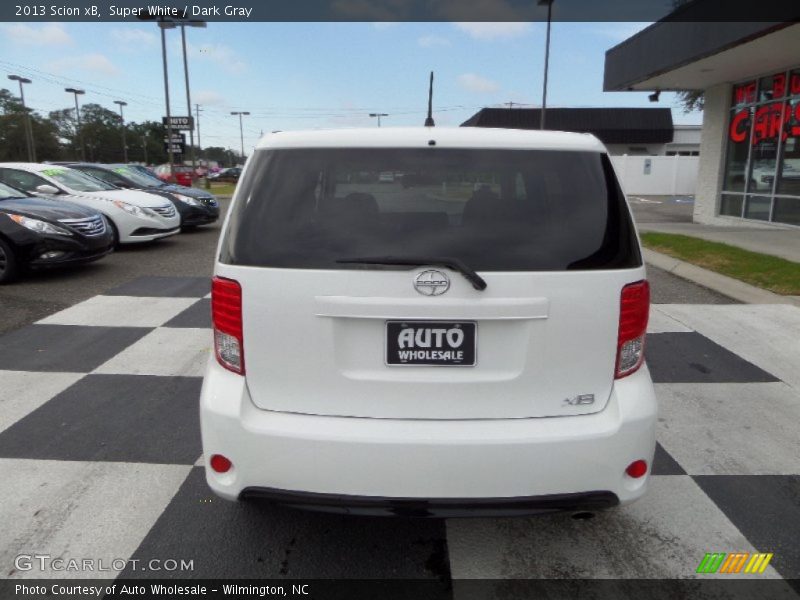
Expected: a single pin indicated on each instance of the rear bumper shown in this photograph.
(434, 507)
(382, 466)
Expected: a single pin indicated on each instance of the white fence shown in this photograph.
(657, 175)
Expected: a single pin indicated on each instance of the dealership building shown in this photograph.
(749, 169)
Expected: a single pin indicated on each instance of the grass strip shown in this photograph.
(761, 270)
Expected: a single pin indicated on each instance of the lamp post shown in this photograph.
(184, 25)
(241, 131)
(28, 127)
(379, 115)
(122, 119)
(163, 25)
(549, 4)
(76, 92)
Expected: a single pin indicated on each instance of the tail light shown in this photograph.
(226, 315)
(636, 469)
(633, 314)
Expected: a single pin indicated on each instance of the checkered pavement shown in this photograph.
(100, 453)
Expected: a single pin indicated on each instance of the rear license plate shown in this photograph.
(431, 343)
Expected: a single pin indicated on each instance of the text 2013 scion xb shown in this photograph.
(466, 338)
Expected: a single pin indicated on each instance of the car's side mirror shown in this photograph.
(47, 189)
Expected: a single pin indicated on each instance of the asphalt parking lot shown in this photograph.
(189, 254)
(101, 369)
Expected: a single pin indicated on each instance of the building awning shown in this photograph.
(674, 54)
(609, 125)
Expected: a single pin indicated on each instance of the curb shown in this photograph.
(733, 288)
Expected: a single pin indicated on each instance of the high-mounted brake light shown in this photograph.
(634, 311)
(226, 316)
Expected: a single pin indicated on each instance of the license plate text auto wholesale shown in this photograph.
(431, 343)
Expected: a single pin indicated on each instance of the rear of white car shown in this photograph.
(465, 339)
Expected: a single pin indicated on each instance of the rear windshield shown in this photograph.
(496, 210)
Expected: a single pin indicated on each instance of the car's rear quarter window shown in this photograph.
(497, 210)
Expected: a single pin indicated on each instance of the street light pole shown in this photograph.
(197, 122)
(546, 60)
(77, 93)
(163, 25)
(184, 25)
(379, 115)
(122, 119)
(241, 130)
(28, 126)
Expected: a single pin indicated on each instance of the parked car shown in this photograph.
(39, 233)
(229, 175)
(133, 216)
(195, 207)
(180, 174)
(384, 351)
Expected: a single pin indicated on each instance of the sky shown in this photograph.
(317, 75)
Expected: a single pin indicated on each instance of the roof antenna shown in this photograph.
(429, 121)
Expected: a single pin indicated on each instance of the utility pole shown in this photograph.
(144, 148)
(77, 93)
(184, 25)
(241, 131)
(28, 126)
(379, 115)
(122, 120)
(197, 122)
(510, 104)
(546, 59)
(162, 26)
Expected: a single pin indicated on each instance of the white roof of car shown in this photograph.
(36, 167)
(444, 137)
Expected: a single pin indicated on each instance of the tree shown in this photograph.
(147, 138)
(101, 133)
(13, 144)
(691, 100)
(218, 154)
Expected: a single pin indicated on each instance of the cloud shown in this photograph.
(494, 31)
(209, 98)
(134, 37)
(476, 83)
(50, 34)
(92, 63)
(224, 56)
(429, 41)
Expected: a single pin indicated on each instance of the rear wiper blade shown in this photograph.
(478, 282)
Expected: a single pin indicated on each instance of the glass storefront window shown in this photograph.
(737, 152)
(757, 207)
(762, 160)
(787, 210)
(772, 87)
(731, 205)
(744, 94)
(789, 174)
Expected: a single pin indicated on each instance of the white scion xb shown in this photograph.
(467, 338)
(134, 216)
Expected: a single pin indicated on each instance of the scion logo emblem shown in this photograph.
(431, 283)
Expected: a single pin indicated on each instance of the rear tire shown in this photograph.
(9, 267)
